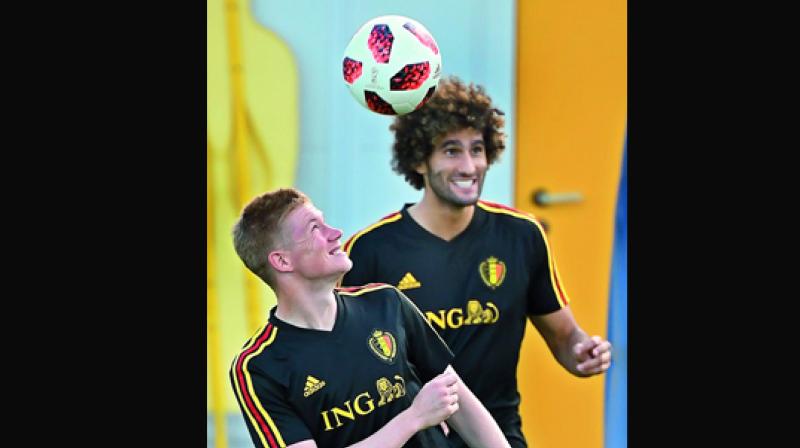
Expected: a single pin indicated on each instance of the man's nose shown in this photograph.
(467, 165)
(334, 233)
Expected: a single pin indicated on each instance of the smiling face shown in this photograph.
(313, 248)
(455, 171)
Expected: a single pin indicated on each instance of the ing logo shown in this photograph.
(388, 391)
(363, 403)
(475, 314)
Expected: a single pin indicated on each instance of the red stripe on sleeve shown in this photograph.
(245, 391)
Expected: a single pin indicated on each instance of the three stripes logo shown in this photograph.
(312, 385)
(408, 282)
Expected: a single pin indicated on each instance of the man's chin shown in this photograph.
(463, 200)
(471, 201)
(459, 201)
(342, 273)
(346, 269)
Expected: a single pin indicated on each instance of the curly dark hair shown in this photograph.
(454, 106)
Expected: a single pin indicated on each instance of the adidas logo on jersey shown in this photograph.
(408, 282)
(312, 385)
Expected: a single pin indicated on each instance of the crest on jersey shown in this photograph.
(492, 271)
(383, 344)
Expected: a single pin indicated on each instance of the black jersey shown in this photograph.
(340, 386)
(476, 290)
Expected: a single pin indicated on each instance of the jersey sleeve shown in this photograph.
(545, 292)
(271, 420)
(426, 349)
(363, 263)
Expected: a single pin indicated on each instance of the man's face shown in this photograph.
(456, 168)
(313, 246)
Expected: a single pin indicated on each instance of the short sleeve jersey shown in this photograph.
(338, 387)
(476, 289)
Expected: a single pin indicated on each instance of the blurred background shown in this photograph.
(279, 114)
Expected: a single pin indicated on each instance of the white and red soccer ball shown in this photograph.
(392, 65)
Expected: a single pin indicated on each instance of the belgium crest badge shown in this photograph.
(492, 271)
(383, 344)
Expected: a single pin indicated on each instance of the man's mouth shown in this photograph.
(465, 183)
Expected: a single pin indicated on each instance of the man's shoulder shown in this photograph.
(368, 291)
(374, 231)
(504, 214)
(370, 299)
(505, 211)
(259, 351)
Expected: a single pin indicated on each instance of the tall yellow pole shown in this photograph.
(240, 146)
(212, 304)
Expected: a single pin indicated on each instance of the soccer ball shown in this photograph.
(392, 65)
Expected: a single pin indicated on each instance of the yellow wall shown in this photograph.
(269, 102)
(572, 106)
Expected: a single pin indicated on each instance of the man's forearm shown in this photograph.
(474, 423)
(393, 434)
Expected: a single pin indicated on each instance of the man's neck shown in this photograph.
(446, 221)
(307, 305)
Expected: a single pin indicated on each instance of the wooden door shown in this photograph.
(570, 131)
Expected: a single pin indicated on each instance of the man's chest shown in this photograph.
(352, 379)
(471, 284)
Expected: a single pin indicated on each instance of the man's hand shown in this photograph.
(436, 401)
(593, 355)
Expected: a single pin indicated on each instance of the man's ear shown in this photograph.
(421, 169)
(280, 261)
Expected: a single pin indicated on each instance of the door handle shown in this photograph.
(543, 199)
